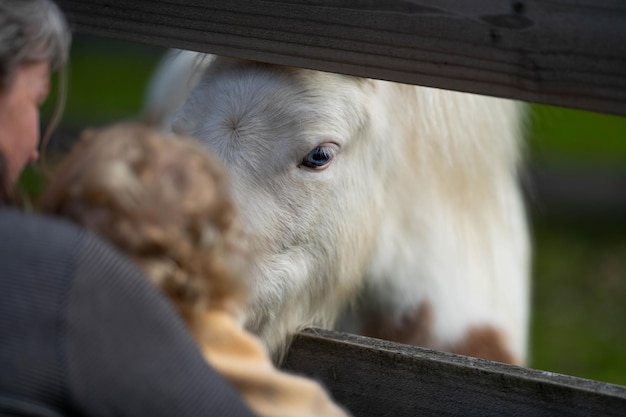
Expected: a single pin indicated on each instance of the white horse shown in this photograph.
(392, 206)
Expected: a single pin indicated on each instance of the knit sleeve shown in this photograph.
(128, 352)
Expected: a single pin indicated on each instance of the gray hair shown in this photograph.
(31, 31)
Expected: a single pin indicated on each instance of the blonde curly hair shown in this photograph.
(164, 200)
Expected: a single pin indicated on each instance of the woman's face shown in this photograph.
(19, 116)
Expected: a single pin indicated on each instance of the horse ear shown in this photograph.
(176, 75)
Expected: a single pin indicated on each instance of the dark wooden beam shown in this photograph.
(376, 378)
(568, 53)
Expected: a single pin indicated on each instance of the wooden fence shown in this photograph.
(563, 52)
(378, 378)
(568, 53)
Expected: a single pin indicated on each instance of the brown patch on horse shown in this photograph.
(486, 343)
(412, 329)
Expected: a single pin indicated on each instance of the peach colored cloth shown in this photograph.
(244, 361)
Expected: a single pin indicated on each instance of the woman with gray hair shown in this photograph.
(82, 331)
(34, 40)
(31, 32)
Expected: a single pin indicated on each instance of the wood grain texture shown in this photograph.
(377, 378)
(568, 53)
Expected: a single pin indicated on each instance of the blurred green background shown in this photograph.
(576, 186)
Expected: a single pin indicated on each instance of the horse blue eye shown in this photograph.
(319, 157)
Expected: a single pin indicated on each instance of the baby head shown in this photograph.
(163, 200)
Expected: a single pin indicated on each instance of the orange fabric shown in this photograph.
(244, 361)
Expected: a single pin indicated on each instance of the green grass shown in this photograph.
(579, 313)
(576, 137)
(106, 81)
(579, 279)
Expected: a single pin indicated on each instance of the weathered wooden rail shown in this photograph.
(563, 52)
(569, 53)
(378, 378)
